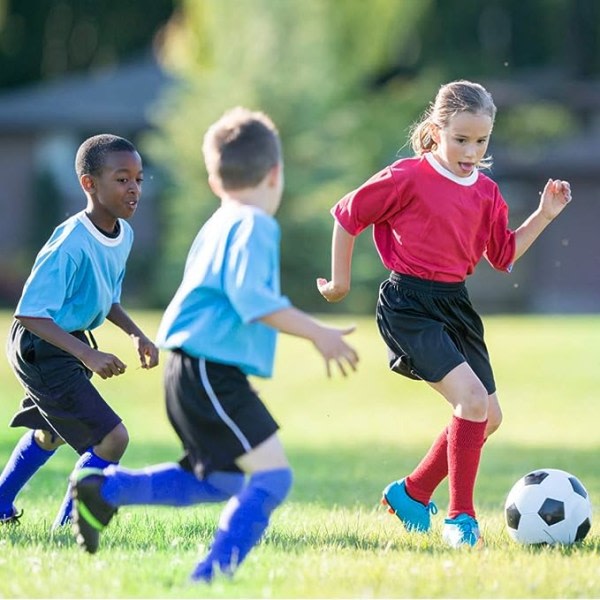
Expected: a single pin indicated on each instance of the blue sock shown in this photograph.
(87, 459)
(168, 484)
(26, 458)
(243, 522)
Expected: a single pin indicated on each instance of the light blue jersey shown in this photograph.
(77, 275)
(231, 279)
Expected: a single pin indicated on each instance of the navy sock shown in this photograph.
(167, 484)
(243, 522)
(87, 460)
(26, 458)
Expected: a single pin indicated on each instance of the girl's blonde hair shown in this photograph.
(452, 98)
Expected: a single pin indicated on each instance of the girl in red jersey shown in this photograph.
(434, 216)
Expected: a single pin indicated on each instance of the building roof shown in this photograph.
(119, 96)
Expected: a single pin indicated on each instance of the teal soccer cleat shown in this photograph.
(461, 531)
(414, 515)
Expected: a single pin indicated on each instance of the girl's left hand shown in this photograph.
(556, 195)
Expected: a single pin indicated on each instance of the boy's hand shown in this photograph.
(146, 350)
(556, 195)
(103, 363)
(330, 343)
(331, 292)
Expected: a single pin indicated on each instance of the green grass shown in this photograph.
(346, 439)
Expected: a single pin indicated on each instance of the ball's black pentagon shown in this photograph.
(552, 511)
(578, 487)
(535, 477)
(583, 530)
(513, 516)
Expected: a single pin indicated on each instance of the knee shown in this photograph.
(114, 444)
(474, 403)
(47, 440)
(494, 420)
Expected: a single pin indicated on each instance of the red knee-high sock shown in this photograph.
(431, 471)
(465, 440)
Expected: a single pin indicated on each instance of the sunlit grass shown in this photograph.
(346, 439)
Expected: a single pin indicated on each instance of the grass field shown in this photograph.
(346, 440)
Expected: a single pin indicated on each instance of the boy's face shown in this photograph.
(116, 191)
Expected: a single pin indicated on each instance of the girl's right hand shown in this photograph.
(331, 292)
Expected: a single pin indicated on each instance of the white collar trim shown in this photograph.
(103, 239)
(465, 181)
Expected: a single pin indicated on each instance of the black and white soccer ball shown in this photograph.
(548, 506)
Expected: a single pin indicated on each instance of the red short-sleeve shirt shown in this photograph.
(429, 223)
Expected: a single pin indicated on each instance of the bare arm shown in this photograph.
(342, 246)
(327, 340)
(556, 195)
(146, 349)
(104, 364)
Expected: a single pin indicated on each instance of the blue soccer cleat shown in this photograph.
(415, 516)
(461, 531)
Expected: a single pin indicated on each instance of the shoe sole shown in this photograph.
(84, 525)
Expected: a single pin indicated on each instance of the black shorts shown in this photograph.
(215, 412)
(430, 328)
(60, 396)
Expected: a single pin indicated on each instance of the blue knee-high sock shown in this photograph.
(26, 458)
(90, 460)
(167, 484)
(243, 522)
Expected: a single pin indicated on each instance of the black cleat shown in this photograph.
(12, 519)
(91, 513)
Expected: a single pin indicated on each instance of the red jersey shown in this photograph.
(429, 223)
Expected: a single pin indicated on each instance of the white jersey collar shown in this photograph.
(103, 239)
(466, 181)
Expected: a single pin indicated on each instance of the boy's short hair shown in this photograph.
(241, 148)
(91, 155)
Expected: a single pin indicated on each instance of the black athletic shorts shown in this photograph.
(215, 412)
(430, 328)
(60, 396)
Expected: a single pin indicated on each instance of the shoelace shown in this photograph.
(466, 528)
(432, 508)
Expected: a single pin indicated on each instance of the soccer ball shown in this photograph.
(548, 506)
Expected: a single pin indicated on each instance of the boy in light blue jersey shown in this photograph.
(75, 284)
(230, 281)
(221, 327)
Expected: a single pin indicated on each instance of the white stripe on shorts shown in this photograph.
(219, 408)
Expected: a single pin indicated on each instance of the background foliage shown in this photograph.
(344, 88)
(344, 81)
(43, 39)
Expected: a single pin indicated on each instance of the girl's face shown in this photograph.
(463, 142)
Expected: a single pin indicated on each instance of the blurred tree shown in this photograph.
(343, 81)
(45, 38)
(311, 80)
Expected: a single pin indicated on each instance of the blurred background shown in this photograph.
(343, 79)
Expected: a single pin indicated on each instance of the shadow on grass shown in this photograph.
(356, 475)
(341, 477)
